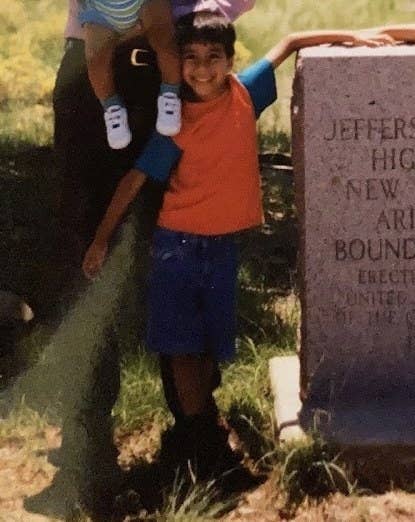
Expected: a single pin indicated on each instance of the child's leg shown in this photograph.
(100, 45)
(158, 25)
(197, 439)
(193, 375)
(171, 393)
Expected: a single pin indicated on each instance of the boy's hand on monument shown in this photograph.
(372, 40)
(385, 38)
(94, 259)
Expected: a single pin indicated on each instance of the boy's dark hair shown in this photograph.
(206, 27)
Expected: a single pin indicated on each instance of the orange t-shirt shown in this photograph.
(215, 188)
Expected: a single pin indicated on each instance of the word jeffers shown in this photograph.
(372, 129)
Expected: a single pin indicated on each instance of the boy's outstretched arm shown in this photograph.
(125, 193)
(295, 41)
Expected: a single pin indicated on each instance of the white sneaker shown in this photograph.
(118, 131)
(169, 117)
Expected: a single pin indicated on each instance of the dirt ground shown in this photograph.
(24, 471)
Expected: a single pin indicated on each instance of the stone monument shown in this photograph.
(353, 117)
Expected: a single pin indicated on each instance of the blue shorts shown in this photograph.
(192, 294)
(118, 16)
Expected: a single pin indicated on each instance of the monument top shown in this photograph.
(332, 51)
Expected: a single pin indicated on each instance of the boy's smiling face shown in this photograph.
(205, 68)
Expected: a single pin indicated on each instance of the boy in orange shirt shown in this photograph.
(213, 193)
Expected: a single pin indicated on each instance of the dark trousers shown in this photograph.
(90, 172)
(90, 169)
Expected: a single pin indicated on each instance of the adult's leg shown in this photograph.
(138, 87)
(98, 178)
(90, 172)
(81, 154)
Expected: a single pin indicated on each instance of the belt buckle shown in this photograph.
(133, 57)
(68, 44)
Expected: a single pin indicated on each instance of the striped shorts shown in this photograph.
(118, 15)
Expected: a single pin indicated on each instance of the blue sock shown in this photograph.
(170, 87)
(112, 100)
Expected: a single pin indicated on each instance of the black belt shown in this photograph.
(73, 43)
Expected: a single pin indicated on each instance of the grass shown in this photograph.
(24, 421)
(312, 469)
(141, 399)
(195, 504)
(31, 45)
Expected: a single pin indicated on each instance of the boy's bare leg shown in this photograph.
(100, 44)
(193, 377)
